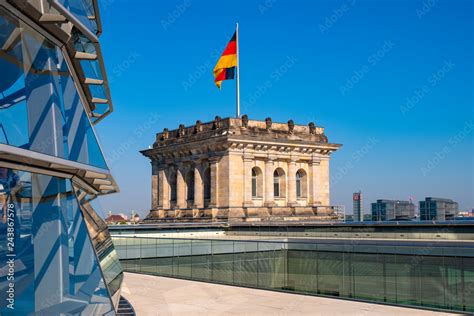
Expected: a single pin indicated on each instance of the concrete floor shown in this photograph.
(152, 295)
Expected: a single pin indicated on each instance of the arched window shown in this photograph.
(301, 184)
(190, 186)
(207, 184)
(276, 184)
(172, 182)
(256, 182)
(279, 183)
(298, 184)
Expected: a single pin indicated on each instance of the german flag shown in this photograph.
(225, 67)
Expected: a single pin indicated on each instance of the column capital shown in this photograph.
(270, 159)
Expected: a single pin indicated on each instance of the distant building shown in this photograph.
(388, 210)
(115, 219)
(357, 206)
(367, 217)
(135, 219)
(438, 209)
(466, 213)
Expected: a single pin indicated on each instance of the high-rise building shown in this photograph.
(357, 208)
(438, 209)
(56, 254)
(388, 210)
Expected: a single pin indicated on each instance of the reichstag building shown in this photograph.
(237, 169)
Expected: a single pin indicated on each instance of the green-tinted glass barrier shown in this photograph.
(427, 275)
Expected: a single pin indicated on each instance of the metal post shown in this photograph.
(237, 79)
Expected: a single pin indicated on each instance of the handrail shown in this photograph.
(353, 242)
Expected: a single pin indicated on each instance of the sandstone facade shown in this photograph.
(238, 169)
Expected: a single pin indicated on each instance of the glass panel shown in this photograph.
(40, 108)
(82, 10)
(465, 284)
(202, 263)
(102, 243)
(302, 271)
(182, 252)
(432, 281)
(408, 280)
(368, 276)
(44, 244)
(245, 263)
(222, 261)
(165, 254)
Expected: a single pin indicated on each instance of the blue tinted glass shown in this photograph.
(40, 108)
(82, 10)
(91, 69)
(47, 259)
(102, 242)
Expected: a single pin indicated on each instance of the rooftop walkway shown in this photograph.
(152, 295)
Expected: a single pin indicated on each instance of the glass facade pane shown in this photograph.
(46, 249)
(102, 243)
(40, 109)
(56, 250)
(82, 10)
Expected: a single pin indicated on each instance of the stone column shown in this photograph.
(198, 189)
(248, 163)
(314, 185)
(180, 190)
(269, 168)
(213, 164)
(155, 187)
(164, 189)
(292, 183)
(324, 181)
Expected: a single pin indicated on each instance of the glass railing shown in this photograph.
(428, 275)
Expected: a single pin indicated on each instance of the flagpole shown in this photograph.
(237, 81)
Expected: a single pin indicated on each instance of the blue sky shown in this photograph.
(390, 80)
